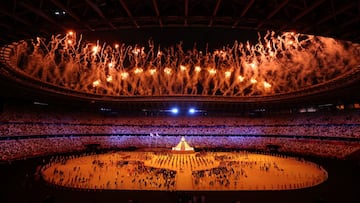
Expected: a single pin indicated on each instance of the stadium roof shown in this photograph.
(27, 18)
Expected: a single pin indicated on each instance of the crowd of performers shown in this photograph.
(182, 161)
(130, 174)
(161, 171)
(232, 173)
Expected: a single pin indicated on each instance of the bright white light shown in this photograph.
(227, 74)
(152, 71)
(175, 110)
(241, 78)
(267, 85)
(124, 75)
(137, 51)
(212, 71)
(167, 70)
(96, 83)
(197, 69)
(58, 13)
(191, 110)
(138, 70)
(95, 49)
(253, 65)
(109, 78)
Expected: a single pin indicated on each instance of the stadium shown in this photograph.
(180, 101)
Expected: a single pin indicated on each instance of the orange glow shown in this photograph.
(222, 54)
(96, 83)
(152, 71)
(227, 74)
(136, 51)
(253, 64)
(109, 78)
(197, 69)
(212, 71)
(95, 49)
(275, 64)
(167, 70)
(267, 85)
(124, 75)
(138, 70)
(290, 177)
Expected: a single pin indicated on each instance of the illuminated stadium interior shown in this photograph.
(180, 101)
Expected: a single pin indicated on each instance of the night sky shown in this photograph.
(216, 38)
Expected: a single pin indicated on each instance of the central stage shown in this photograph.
(198, 171)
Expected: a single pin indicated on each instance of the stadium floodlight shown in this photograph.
(175, 110)
(191, 111)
